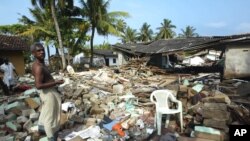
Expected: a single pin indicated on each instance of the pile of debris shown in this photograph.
(114, 104)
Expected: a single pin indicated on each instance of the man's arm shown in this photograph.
(1, 69)
(38, 74)
(15, 72)
(14, 69)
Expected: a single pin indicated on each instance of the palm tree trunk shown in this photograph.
(48, 51)
(91, 46)
(58, 34)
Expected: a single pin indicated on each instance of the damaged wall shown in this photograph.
(237, 61)
(121, 58)
(156, 60)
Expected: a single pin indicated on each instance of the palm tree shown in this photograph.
(129, 36)
(121, 25)
(166, 30)
(188, 32)
(146, 33)
(102, 21)
(51, 4)
(41, 28)
(74, 30)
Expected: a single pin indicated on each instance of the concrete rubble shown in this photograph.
(113, 104)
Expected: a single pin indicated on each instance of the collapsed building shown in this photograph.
(214, 54)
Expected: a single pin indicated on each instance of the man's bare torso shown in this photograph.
(44, 71)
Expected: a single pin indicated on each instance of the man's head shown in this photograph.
(37, 51)
(6, 60)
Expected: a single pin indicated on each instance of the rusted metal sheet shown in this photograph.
(237, 62)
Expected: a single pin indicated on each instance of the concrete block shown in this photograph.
(13, 126)
(183, 88)
(96, 110)
(219, 124)
(21, 135)
(191, 92)
(118, 89)
(21, 119)
(34, 116)
(77, 92)
(28, 138)
(27, 125)
(7, 138)
(205, 93)
(3, 119)
(219, 97)
(215, 114)
(87, 96)
(15, 107)
(2, 126)
(2, 107)
(11, 117)
(3, 133)
(43, 139)
(89, 121)
(218, 106)
(198, 87)
(27, 112)
(32, 102)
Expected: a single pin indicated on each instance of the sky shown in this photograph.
(208, 17)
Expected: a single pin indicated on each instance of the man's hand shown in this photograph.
(59, 81)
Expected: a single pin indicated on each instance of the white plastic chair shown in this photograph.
(162, 99)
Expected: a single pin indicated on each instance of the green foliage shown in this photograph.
(42, 27)
(103, 46)
(188, 32)
(129, 35)
(27, 57)
(146, 34)
(166, 30)
(102, 21)
(13, 29)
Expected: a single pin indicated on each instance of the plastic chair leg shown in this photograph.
(155, 120)
(159, 123)
(181, 122)
(167, 121)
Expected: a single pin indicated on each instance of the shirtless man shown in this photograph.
(51, 101)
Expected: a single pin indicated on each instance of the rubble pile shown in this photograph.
(114, 104)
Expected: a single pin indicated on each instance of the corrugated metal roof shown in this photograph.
(162, 46)
(178, 44)
(103, 52)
